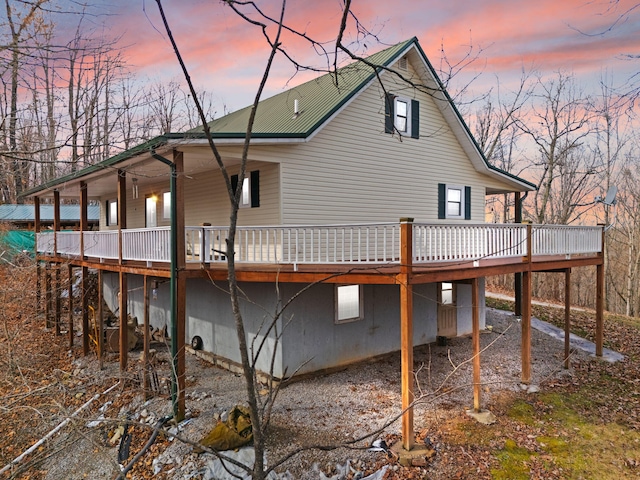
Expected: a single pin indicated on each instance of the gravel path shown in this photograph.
(336, 408)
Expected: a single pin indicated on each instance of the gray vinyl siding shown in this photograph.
(206, 200)
(353, 172)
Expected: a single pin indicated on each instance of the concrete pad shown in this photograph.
(483, 416)
(419, 456)
(575, 341)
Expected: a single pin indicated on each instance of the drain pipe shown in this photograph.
(173, 284)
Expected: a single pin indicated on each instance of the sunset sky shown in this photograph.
(225, 54)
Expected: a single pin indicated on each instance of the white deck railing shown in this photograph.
(332, 244)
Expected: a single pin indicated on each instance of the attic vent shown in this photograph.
(402, 63)
(296, 108)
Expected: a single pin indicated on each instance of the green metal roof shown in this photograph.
(318, 99)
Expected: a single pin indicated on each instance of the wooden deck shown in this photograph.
(403, 254)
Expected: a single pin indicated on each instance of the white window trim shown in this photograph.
(245, 195)
(407, 101)
(112, 209)
(453, 290)
(360, 316)
(462, 201)
(151, 221)
(166, 202)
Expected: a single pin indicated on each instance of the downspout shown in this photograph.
(173, 283)
(517, 279)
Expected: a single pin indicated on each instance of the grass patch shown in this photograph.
(513, 462)
(522, 412)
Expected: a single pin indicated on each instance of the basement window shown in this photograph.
(348, 303)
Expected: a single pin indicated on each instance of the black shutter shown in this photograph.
(234, 183)
(467, 203)
(415, 119)
(389, 112)
(255, 188)
(442, 200)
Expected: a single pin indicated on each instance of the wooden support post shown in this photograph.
(517, 277)
(47, 295)
(38, 286)
(85, 311)
(406, 331)
(70, 331)
(475, 315)
(100, 321)
(36, 230)
(181, 281)
(122, 224)
(84, 223)
(145, 339)
(599, 309)
(526, 312)
(526, 327)
(567, 317)
(181, 340)
(57, 297)
(124, 331)
(56, 220)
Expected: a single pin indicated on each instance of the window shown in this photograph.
(447, 293)
(454, 201)
(166, 205)
(151, 211)
(112, 212)
(250, 196)
(402, 115)
(348, 301)
(401, 120)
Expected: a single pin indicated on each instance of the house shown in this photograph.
(366, 193)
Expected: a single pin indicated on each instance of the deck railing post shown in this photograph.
(406, 330)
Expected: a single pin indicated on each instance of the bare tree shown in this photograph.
(558, 125)
(497, 133)
(19, 22)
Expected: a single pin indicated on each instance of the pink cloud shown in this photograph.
(225, 53)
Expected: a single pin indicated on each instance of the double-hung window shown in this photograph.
(402, 115)
(454, 201)
(402, 119)
(250, 195)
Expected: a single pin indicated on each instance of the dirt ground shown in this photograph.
(43, 383)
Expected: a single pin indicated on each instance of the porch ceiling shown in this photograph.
(145, 169)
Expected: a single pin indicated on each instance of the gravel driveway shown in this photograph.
(335, 408)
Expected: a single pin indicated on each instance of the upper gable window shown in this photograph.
(402, 116)
(454, 201)
(402, 119)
